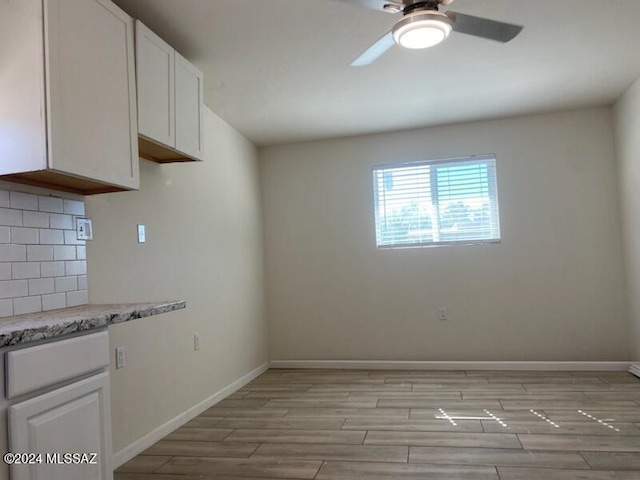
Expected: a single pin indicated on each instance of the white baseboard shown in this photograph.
(130, 451)
(427, 365)
(635, 369)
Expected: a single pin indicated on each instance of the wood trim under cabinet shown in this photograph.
(155, 152)
(63, 182)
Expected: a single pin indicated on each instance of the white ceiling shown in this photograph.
(278, 70)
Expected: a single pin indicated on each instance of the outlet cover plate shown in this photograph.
(84, 229)
(121, 357)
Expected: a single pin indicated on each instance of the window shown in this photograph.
(439, 202)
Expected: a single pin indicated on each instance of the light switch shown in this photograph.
(84, 229)
(142, 236)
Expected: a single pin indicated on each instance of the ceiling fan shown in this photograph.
(423, 25)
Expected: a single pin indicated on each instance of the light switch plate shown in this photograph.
(142, 235)
(84, 229)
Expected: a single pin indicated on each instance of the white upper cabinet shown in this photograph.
(67, 95)
(170, 101)
(189, 102)
(155, 61)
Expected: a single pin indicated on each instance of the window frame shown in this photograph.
(492, 182)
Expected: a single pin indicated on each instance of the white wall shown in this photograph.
(627, 135)
(204, 245)
(552, 290)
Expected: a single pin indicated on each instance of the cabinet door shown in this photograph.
(72, 419)
(91, 93)
(189, 102)
(156, 95)
(22, 121)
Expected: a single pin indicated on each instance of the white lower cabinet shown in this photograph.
(58, 409)
(67, 430)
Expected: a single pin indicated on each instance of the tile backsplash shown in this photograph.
(42, 264)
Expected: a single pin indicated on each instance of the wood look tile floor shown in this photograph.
(409, 425)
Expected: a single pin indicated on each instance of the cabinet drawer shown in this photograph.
(32, 368)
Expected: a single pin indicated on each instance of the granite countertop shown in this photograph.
(54, 323)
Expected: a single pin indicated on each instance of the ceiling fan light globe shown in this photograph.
(421, 37)
(421, 30)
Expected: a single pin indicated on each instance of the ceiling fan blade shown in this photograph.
(379, 4)
(483, 27)
(376, 50)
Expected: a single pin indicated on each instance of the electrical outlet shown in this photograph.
(196, 341)
(442, 314)
(121, 357)
(142, 234)
(84, 229)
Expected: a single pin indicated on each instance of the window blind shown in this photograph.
(436, 202)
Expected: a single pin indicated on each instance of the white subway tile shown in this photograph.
(42, 263)
(24, 236)
(64, 252)
(23, 270)
(71, 238)
(35, 219)
(78, 267)
(73, 207)
(4, 199)
(54, 301)
(61, 221)
(77, 298)
(51, 237)
(10, 218)
(23, 201)
(40, 286)
(39, 253)
(27, 305)
(50, 204)
(14, 288)
(66, 284)
(5, 271)
(52, 269)
(13, 253)
(6, 307)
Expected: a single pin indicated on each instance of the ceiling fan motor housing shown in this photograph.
(424, 5)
